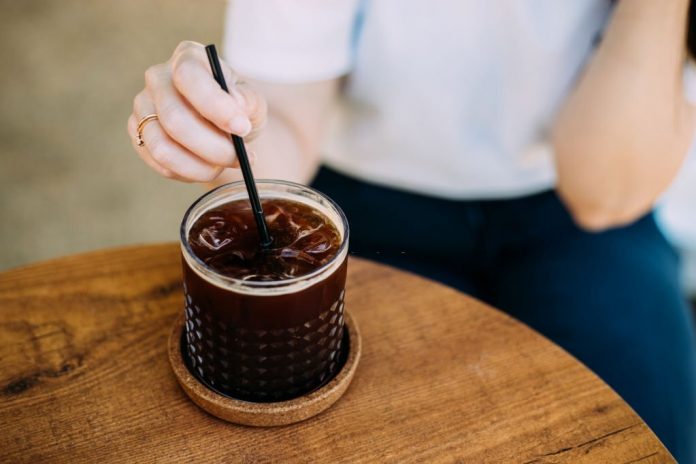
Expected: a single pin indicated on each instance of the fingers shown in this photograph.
(254, 104)
(164, 155)
(233, 113)
(190, 139)
(183, 124)
(144, 155)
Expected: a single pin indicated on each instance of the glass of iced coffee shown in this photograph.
(264, 325)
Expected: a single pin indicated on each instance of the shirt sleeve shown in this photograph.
(290, 40)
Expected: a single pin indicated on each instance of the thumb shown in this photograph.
(253, 104)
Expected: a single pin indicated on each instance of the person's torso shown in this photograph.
(456, 98)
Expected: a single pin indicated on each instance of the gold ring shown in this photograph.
(141, 126)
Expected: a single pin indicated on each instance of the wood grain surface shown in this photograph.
(84, 377)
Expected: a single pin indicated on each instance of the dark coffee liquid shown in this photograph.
(227, 240)
(264, 347)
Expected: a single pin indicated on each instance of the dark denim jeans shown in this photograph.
(611, 299)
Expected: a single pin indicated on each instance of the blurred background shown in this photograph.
(69, 178)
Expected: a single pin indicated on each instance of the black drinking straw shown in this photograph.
(242, 156)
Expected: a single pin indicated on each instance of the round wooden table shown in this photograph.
(443, 378)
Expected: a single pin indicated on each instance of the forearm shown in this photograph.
(622, 134)
(288, 146)
(278, 154)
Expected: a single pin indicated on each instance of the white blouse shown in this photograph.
(449, 98)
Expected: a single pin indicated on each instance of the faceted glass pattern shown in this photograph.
(264, 365)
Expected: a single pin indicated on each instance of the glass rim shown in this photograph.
(263, 284)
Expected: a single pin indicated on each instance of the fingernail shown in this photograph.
(240, 125)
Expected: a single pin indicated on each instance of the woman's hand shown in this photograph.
(190, 139)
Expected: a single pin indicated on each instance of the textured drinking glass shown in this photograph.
(264, 340)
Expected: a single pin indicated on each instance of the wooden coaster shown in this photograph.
(265, 414)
